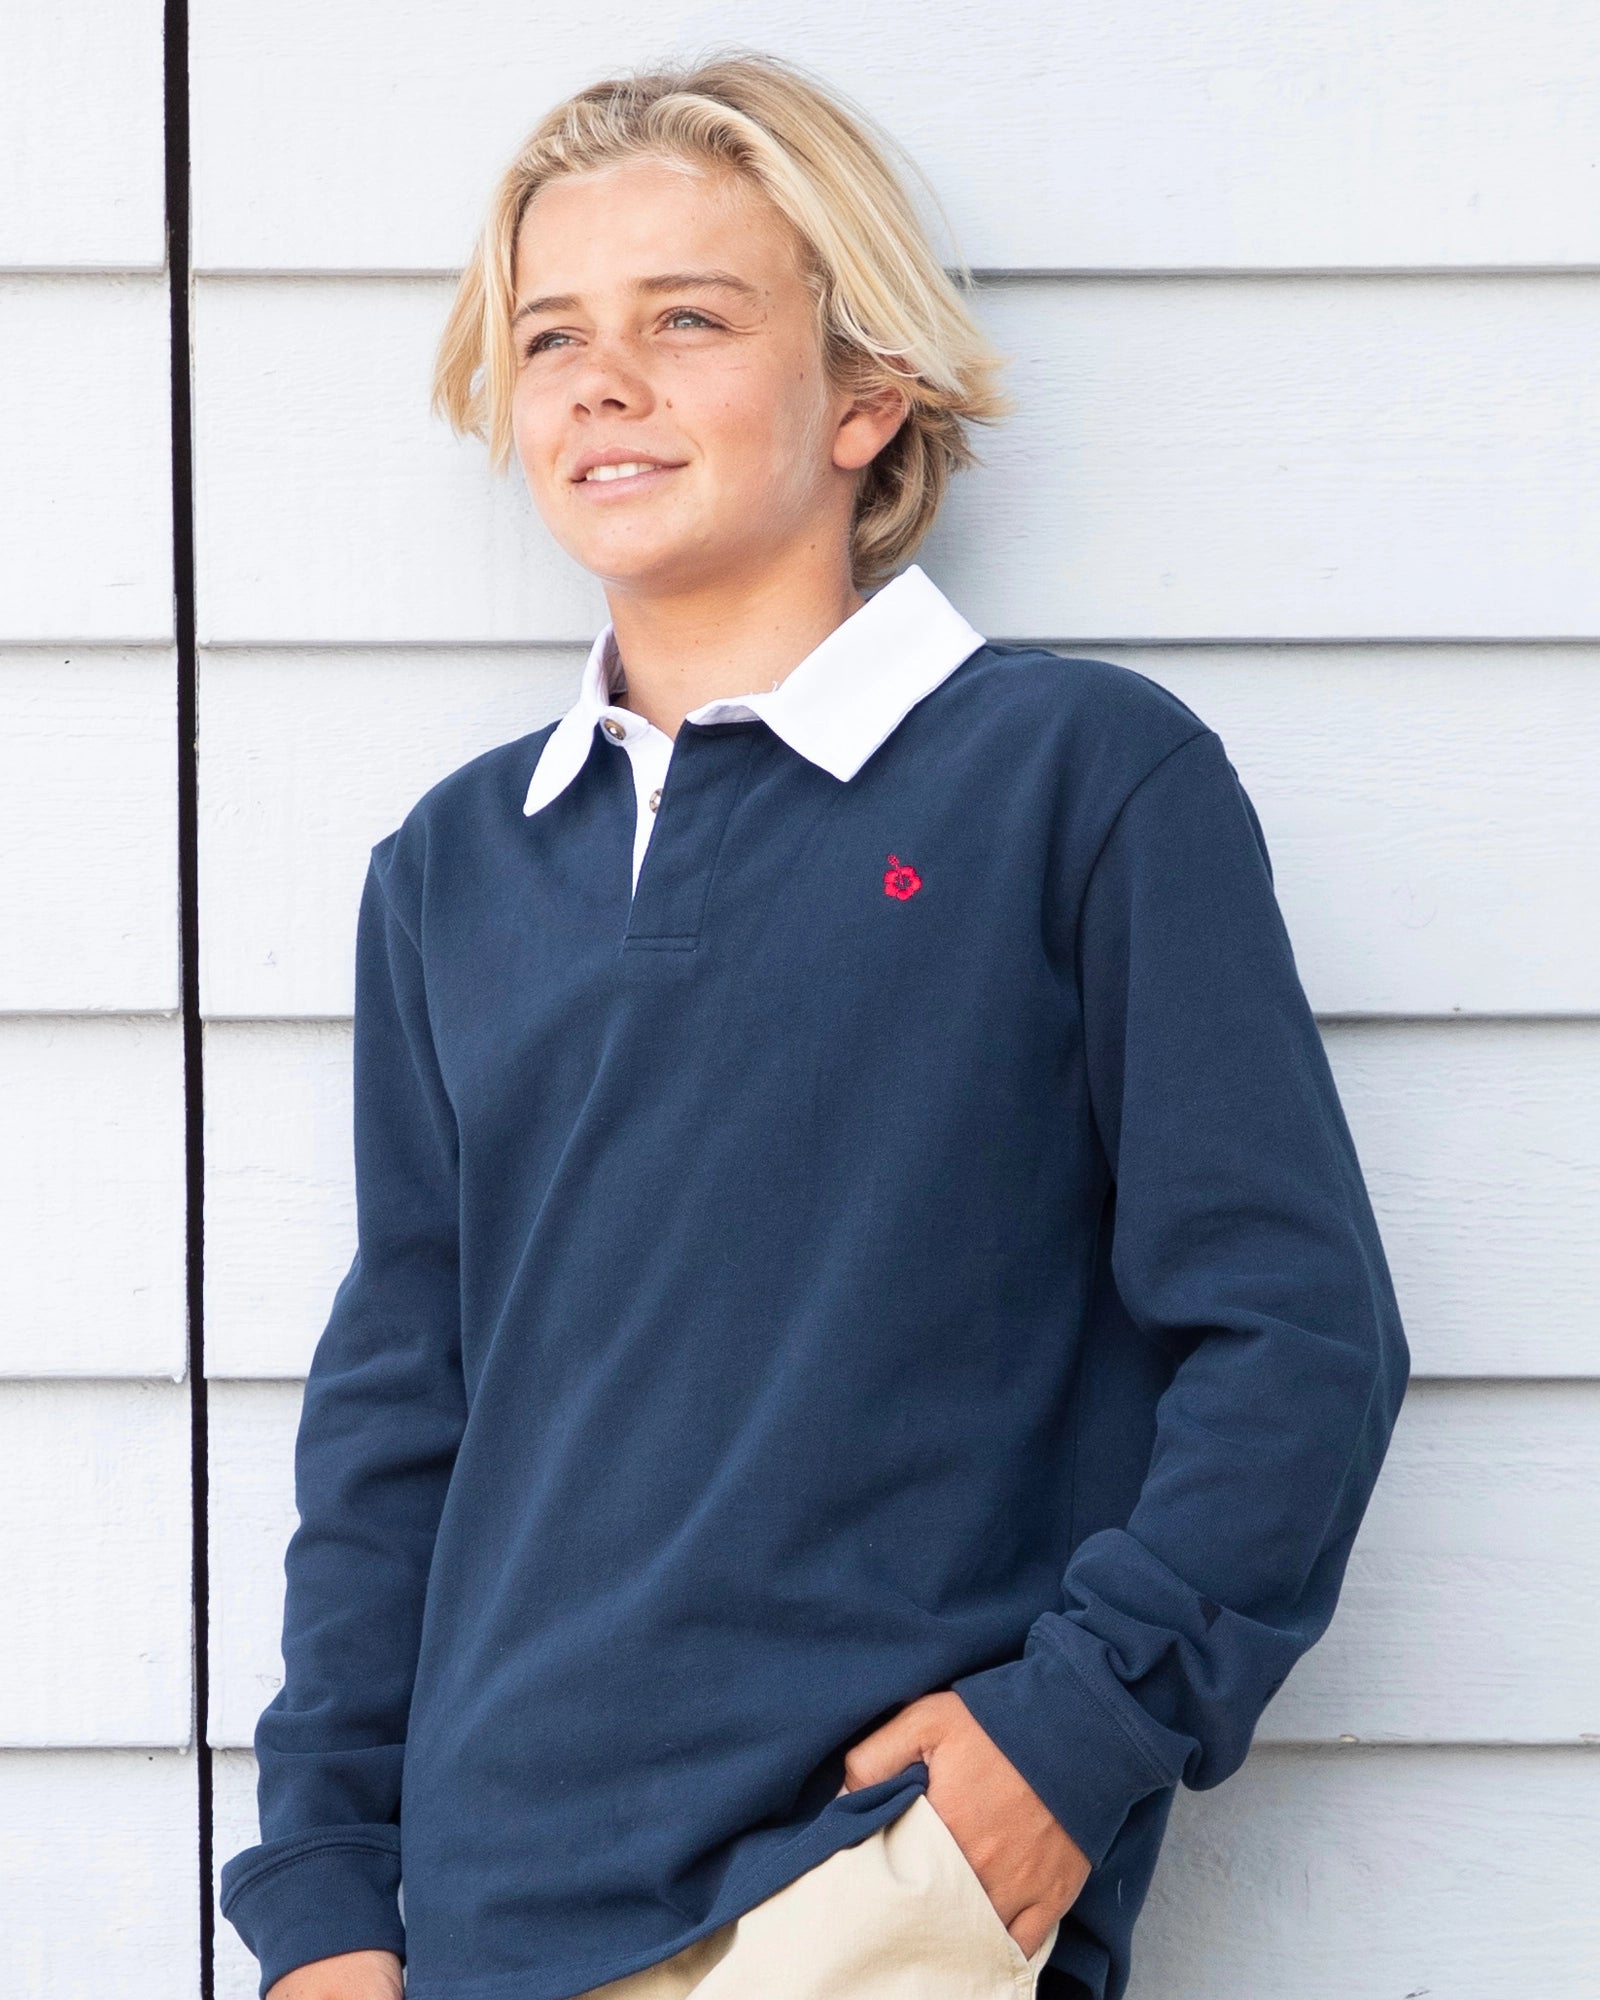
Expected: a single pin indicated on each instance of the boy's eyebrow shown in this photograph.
(664, 281)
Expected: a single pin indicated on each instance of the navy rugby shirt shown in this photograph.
(912, 1240)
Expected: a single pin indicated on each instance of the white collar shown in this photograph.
(836, 707)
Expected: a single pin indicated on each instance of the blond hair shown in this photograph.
(887, 311)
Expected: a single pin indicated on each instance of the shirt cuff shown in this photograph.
(295, 1901)
(1090, 1763)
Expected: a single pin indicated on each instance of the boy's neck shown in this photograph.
(683, 650)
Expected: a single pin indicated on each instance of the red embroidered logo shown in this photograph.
(900, 878)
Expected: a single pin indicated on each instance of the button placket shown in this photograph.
(641, 740)
(706, 776)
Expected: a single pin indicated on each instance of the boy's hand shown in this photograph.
(1031, 1868)
(349, 1975)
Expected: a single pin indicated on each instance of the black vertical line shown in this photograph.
(175, 29)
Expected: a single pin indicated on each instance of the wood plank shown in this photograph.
(280, 1218)
(98, 1851)
(1480, 1145)
(236, 1826)
(88, 830)
(94, 1488)
(92, 1189)
(1332, 1874)
(1431, 812)
(1467, 1614)
(82, 168)
(86, 505)
(250, 1519)
(1479, 1141)
(276, 796)
(1301, 458)
(1223, 137)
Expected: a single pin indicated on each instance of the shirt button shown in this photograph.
(655, 798)
(612, 727)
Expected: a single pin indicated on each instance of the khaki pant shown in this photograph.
(899, 1916)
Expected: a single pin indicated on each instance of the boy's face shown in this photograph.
(720, 384)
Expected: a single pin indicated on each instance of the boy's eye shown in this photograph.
(541, 342)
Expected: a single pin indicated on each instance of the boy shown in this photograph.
(868, 1344)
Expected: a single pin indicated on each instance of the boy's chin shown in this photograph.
(660, 565)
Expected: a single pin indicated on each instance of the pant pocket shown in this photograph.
(966, 1883)
(898, 1916)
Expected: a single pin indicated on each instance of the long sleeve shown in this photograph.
(382, 1417)
(1244, 1245)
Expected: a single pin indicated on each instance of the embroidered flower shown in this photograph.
(900, 879)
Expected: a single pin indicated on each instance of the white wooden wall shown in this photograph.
(1305, 305)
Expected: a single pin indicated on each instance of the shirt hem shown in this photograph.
(825, 1835)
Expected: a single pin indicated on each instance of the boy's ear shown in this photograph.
(870, 422)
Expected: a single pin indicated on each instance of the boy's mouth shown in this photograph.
(633, 476)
